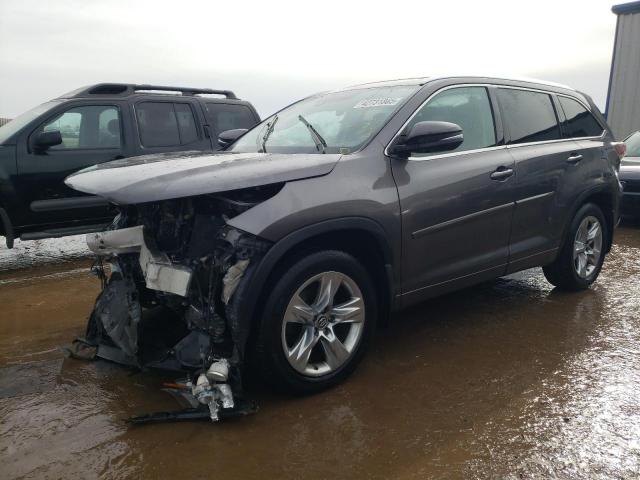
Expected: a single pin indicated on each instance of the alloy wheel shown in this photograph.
(587, 246)
(323, 324)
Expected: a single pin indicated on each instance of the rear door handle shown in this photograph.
(502, 173)
(574, 158)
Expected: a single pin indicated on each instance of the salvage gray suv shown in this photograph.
(285, 250)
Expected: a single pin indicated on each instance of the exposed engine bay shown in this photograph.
(173, 274)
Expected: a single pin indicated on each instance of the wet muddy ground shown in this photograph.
(510, 379)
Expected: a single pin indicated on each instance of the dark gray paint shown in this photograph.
(152, 178)
(447, 223)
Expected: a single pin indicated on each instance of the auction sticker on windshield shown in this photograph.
(377, 102)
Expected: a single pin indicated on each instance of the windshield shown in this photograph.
(633, 145)
(15, 125)
(337, 122)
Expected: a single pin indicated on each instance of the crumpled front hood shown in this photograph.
(175, 175)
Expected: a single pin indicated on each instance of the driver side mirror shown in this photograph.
(46, 140)
(428, 137)
(227, 137)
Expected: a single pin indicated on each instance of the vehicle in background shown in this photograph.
(630, 177)
(93, 125)
(284, 250)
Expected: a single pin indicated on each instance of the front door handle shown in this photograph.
(502, 173)
(574, 158)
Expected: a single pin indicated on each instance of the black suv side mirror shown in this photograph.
(428, 137)
(227, 137)
(45, 140)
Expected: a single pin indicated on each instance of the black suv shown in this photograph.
(93, 125)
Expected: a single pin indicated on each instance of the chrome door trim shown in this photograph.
(439, 226)
(535, 197)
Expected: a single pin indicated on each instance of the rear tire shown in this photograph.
(318, 321)
(580, 259)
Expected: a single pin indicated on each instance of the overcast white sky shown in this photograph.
(274, 52)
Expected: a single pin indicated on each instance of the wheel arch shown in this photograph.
(604, 197)
(361, 237)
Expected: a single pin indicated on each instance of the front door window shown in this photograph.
(87, 127)
(468, 107)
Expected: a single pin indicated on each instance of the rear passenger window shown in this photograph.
(227, 116)
(528, 116)
(580, 122)
(468, 107)
(165, 124)
(186, 123)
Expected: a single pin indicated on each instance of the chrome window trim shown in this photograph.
(497, 147)
(452, 154)
(544, 142)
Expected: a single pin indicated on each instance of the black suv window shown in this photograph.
(468, 107)
(165, 124)
(227, 116)
(91, 126)
(529, 116)
(186, 123)
(580, 122)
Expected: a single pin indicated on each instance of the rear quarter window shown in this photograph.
(226, 116)
(528, 116)
(579, 121)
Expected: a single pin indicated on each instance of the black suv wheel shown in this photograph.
(580, 259)
(317, 322)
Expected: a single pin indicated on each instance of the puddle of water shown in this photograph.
(510, 379)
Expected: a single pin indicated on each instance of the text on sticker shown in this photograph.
(377, 102)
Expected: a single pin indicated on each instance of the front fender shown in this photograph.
(257, 281)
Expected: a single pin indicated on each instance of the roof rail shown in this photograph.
(187, 90)
(129, 88)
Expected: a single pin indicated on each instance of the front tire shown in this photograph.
(317, 322)
(580, 260)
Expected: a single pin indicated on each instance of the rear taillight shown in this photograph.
(620, 149)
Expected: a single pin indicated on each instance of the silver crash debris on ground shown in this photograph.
(173, 274)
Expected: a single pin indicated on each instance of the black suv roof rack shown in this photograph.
(130, 88)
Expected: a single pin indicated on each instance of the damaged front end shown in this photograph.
(174, 274)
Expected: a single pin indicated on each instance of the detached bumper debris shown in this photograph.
(80, 349)
(241, 410)
(209, 398)
(170, 300)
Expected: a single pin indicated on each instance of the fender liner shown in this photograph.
(258, 279)
(8, 227)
